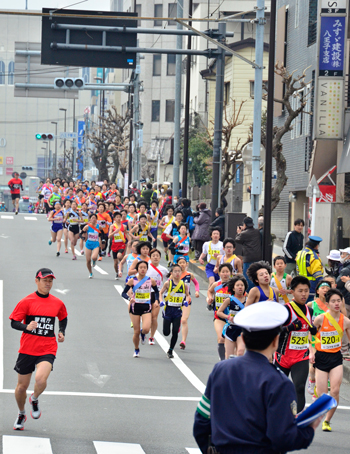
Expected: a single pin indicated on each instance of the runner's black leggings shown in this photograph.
(176, 322)
(299, 371)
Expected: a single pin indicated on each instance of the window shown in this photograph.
(264, 90)
(312, 28)
(157, 62)
(301, 124)
(158, 12)
(171, 64)
(11, 73)
(155, 110)
(86, 75)
(138, 11)
(227, 93)
(172, 12)
(2, 73)
(170, 110)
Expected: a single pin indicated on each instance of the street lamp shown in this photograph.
(55, 159)
(65, 130)
(45, 159)
(102, 98)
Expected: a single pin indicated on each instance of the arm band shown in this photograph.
(125, 292)
(62, 325)
(156, 292)
(15, 324)
(196, 284)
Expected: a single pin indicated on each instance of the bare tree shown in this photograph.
(111, 144)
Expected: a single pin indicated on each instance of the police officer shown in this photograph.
(310, 265)
(249, 406)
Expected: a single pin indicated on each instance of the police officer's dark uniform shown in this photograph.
(249, 406)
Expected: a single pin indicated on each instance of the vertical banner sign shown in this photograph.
(332, 32)
(80, 154)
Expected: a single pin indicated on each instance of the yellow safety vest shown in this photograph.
(301, 260)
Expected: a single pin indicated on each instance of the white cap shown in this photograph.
(262, 316)
(334, 255)
(346, 250)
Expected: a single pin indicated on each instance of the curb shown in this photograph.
(346, 369)
(198, 269)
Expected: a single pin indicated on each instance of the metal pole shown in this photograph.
(136, 151)
(50, 161)
(313, 219)
(158, 170)
(339, 233)
(259, 60)
(55, 156)
(74, 143)
(187, 109)
(267, 244)
(131, 107)
(219, 107)
(103, 95)
(178, 76)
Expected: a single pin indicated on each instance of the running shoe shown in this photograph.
(35, 412)
(57, 254)
(314, 397)
(94, 263)
(182, 345)
(310, 387)
(99, 259)
(166, 257)
(16, 211)
(66, 251)
(82, 252)
(74, 257)
(91, 276)
(143, 338)
(136, 353)
(131, 325)
(329, 385)
(50, 242)
(151, 341)
(116, 276)
(19, 423)
(170, 353)
(326, 427)
(108, 255)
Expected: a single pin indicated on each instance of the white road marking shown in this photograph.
(30, 445)
(193, 450)
(185, 370)
(6, 217)
(100, 270)
(63, 292)
(27, 218)
(105, 447)
(95, 376)
(3, 236)
(1, 336)
(110, 396)
(77, 252)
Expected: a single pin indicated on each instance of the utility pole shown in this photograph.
(65, 130)
(219, 108)
(259, 60)
(74, 143)
(55, 158)
(50, 161)
(136, 151)
(178, 76)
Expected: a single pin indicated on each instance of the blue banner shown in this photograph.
(80, 154)
(332, 46)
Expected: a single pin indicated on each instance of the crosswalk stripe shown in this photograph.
(4, 216)
(193, 450)
(33, 218)
(100, 270)
(30, 445)
(105, 447)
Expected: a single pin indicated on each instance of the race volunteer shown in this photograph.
(254, 419)
(35, 316)
(15, 184)
(310, 265)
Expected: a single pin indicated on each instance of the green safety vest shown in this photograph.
(302, 258)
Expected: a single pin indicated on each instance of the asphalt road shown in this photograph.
(99, 398)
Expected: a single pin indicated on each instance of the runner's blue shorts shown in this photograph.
(92, 245)
(209, 269)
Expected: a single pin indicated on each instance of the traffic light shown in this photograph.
(44, 136)
(27, 168)
(69, 83)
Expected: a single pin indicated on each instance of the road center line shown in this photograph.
(110, 395)
(1, 335)
(26, 218)
(185, 370)
(77, 252)
(100, 270)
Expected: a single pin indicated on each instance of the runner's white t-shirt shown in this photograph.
(152, 273)
(215, 249)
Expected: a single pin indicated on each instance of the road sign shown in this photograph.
(23, 175)
(9, 161)
(87, 110)
(1, 160)
(9, 170)
(68, 135)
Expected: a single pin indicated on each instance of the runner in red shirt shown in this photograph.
(35, 316)
(15, 184)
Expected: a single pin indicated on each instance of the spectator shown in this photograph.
(134, 190)
(201, 232)
(249, 238)
(334, 265)
(293, 243)
(147, 194)
(310, 265)
(155, 193)
(261, 228)
(343, 277)
(180, 191)
(168, 200)
(219, 221)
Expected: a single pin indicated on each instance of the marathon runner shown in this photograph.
(260, 274)
(85, 220)
(153, 219)
(128, 259)
(104, 221)
(171, 231)
(163, 224)
(119, 238)
(56, 217)
(67, 206)
(35, 316)
(328, 359)
(176, 296)
(92, 244)
(138, 292)
(143, 249)
(211, 250)
(237, 287)
(280, 281)
(229, 256)
(180, 246)
(15, 185)
(73, 219)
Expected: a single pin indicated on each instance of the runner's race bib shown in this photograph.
(330, 340)
(299, 340)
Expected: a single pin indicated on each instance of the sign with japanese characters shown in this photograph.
(329, 114)
(332, 46)
(333, 7)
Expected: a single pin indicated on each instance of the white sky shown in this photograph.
(101, 5)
